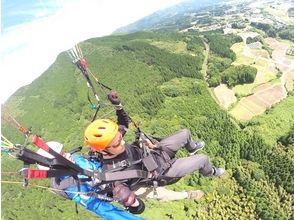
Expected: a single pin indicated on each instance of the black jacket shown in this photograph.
(134, 153)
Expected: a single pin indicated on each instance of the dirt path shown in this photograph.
(204, 73)
(205, 61)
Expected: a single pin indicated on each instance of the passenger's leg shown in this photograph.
(187, 165)
(180, 139)
(163, 194)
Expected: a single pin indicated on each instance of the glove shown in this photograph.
(124, 195)
(138, 209)
(113, 98)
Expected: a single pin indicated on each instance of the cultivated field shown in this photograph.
(289, 80)
(224, 95)
(268, 88)
(280, 10)
(257, 103)
(257, 58)
(284, 62)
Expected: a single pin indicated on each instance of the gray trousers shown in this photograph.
(186, 165)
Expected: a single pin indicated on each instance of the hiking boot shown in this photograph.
(198, 146)
(197, 194)
(218, 171)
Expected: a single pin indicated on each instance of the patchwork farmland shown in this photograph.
(268, 87)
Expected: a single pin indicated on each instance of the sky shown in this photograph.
(34, 32)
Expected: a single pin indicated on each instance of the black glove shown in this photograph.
(113, 98)
(124, 195)
(138, 209)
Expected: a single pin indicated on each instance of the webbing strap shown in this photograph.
(36, 174)
(31, 157)
(41, 144)
(124, 175)
(123, 164)
(41, 174)
(104, 177)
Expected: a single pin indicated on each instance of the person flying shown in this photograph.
(106, 137)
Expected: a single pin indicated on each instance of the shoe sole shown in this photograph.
(193, 153)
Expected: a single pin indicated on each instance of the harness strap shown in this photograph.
(155, 185)
(79, 189)
(122, 164)
(41, 144)
(169, 152)
(64, 184)
(61, 185)
(126, 174)
(25, 179)
(30, 173)
(31, 157)
(168, 161)
(101, 176)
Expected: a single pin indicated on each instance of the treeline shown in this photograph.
(221, 45)
(267, 28)
(219, 67)
(287, 33)
(284, 32)
(250, 40)
(241, 74)
(232, 76)
(194, 44)
(287, 139)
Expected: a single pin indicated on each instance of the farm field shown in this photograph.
(224, 95)
(257, 103)
(281, 12)
(268, 88)
(257, 58)
(289, 80)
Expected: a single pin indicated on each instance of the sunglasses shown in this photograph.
(117, 142)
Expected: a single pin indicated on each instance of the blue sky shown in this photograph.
(34, 32)
(15, 13)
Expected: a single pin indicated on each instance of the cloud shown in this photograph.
(28, 49)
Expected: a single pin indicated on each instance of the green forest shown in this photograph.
(219, 68)
(271, 31)
(158, 77)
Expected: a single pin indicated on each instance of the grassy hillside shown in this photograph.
(164, 91)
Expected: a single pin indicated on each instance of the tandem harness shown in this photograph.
(60, 166)
(155, 162)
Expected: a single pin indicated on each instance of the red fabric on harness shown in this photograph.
(40, 143)
(37, 174)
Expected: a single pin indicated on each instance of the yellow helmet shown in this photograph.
(100, 133)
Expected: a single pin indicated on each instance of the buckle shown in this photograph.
(123, 163)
